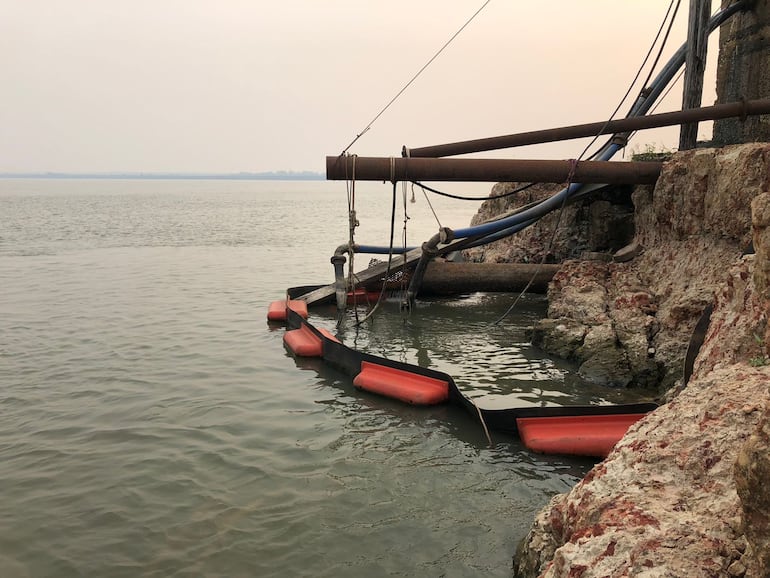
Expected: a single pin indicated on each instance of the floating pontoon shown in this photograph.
(586, 430)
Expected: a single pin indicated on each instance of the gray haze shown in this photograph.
(252, 85)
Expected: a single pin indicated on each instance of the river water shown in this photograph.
(153, 424)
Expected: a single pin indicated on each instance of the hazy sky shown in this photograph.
(257, 85)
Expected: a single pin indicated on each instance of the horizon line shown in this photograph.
(245, 175)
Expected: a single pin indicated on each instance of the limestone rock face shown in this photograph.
(752, 472)
(664, 502)
(693, 226)
(704, 192)
(603, 224)
(685, 492)
(752, 469)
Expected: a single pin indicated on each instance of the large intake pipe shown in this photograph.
(394, 169)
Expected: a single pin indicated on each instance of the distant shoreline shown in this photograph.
(266, 176)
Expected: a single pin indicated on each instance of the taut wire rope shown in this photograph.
(551, 240)
(427, 200)
(574, 162)
(641, 67)
(430, 205)
(665, 40)
(419, 72)
(671, 86)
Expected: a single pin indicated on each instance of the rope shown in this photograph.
(665, 38)
(405, 311)
(483, 423)
(574, 162)
(641, 67)
(352, 224)
(657, 59)
(419, 72)
(663, 96)
(352, 220)
(430, 206)
(548, 248)
(390, 262)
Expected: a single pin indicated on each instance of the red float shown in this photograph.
(582, 435)
(402, 385)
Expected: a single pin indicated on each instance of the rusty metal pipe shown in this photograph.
(490, 170)
(716, 112)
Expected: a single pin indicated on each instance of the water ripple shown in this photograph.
(155, 425)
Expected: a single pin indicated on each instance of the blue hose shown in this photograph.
(515, 223)
(502, 228)
(381, 250)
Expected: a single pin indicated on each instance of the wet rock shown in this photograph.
(562, 337)
(694, 226)
(685, 492)
(605, 363)
(664, 501)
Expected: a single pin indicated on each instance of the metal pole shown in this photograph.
(719, 111)
(695, 66)
(393, 169)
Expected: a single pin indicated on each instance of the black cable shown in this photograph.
(390, 260)
(665, 39)
(463, 198)
(641, 67)
(590, 144)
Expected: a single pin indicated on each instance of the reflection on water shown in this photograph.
(155, 425)
(492, 363)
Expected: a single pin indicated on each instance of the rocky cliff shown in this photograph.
(683, 493)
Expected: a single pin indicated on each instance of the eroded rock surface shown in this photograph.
(752, 472)
(603, 224)
(664, 503)
(686, 492)
(637, 317)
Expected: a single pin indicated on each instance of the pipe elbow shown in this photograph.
(339, 253)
